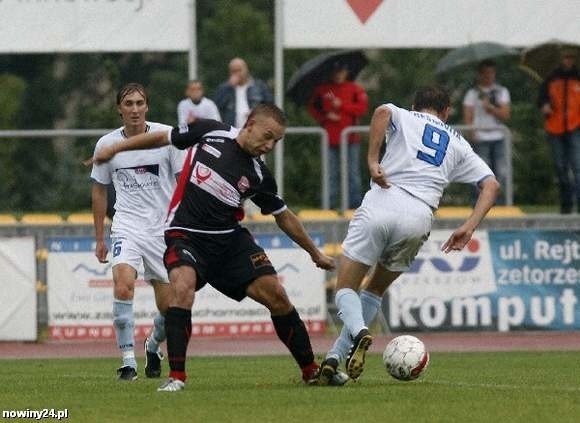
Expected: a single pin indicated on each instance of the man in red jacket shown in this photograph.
(559, 102)
(336, 105)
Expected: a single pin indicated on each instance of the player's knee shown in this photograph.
(124, 291)
(278, 302)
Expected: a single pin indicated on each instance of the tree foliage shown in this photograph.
(78, 91)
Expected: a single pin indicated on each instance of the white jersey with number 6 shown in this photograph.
(423, 155)
(144, 181)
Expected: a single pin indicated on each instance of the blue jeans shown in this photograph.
(566, 154)
(493, 153)
(354, 184)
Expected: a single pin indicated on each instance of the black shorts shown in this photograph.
(228, 262)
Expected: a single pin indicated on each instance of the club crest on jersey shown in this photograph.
(243, 184)
(202, 173)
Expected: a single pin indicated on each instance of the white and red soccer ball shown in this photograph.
(405, 357)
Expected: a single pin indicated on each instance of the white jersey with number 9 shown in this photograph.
(423, 155)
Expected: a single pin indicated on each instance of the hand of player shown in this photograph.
(336, 102)
(457, 240)
(378, 176)
(323, 261)
(101, 252)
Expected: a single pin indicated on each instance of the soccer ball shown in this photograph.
(405, 357)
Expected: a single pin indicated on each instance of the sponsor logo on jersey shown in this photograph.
(213, 183)
(140, 170)
(220, 140)
(260, 260)
(211, 150)
(243, 184)
(138, 178)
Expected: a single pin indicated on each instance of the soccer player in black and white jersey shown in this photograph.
(144, 182)
(205, 242)
(422, 156)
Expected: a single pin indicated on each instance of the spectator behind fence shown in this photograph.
(237, 96)
(335, 105)
(196, 105)
(488, 104)
(559, 101)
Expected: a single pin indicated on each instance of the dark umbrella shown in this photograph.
(540, 60)
(317, 70)
(472, 53)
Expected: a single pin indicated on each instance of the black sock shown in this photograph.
(178, 330)
(293, 334)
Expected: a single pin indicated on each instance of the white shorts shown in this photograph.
(388, 228)
(142, 252)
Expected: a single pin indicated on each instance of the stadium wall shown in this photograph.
(519, 273)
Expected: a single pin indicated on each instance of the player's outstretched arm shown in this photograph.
(487, 196)
(136, 142)
(291, 225)
(379, 124)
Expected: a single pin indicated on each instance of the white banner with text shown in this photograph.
(69, 26)
(80, 294)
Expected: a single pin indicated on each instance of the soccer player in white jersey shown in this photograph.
(144, 181)
(422, 156)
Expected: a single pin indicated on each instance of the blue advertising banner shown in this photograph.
(502, 280)
(537, 278)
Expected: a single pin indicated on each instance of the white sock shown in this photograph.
(370, 305)
(157, 334)
(350, 310)
(124, 324)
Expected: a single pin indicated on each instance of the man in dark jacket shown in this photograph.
(237, 96)
(559, 101)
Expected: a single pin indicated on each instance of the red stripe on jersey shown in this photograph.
(181, 183)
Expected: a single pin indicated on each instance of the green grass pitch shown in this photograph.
(458, 387)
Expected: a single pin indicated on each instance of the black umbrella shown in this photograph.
(539, 60)
(471, 53)
(318, 70)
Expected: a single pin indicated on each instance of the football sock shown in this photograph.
(370, 305)
(292, 332)
(157, 335)
(124, 325)
(350, 310)
(178, 329)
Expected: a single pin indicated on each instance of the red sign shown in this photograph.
(364, 8)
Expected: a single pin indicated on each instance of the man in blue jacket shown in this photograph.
(237, 96)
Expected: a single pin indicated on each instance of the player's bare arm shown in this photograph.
(99, 206)
(291, 225)
(138, 142)
(489, 190)
(379, 124)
